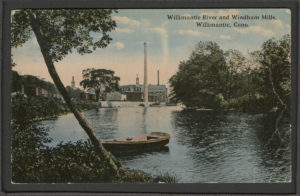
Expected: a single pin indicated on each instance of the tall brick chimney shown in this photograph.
(145, 74)
(157, 77)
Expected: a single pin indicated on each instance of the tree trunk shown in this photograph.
(274, 90)
(107, 157)
(283, 105)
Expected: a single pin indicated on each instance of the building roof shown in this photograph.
(157, 87)
(140, 87)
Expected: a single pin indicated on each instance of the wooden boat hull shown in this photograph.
(154, 140)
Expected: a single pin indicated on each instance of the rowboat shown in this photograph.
(150, 141)
(156, 104)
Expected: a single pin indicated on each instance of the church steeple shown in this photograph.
(73, 82)
(137, 80)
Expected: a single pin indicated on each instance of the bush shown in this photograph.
(33, 162)
(26, 109)
(252, 104)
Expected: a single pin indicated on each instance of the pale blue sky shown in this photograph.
(169, 42)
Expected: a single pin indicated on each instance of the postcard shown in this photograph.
(151, 96)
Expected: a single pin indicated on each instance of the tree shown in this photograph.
(199, 82)
(99, 80)
(275, 70)
(275, 59)
(58, 33)
(235, 62)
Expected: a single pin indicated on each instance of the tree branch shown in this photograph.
(104, 155)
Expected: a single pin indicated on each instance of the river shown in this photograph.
(205, 146)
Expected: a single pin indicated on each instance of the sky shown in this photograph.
(168, 43)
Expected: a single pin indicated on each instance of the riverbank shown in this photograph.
(35, 162)
(32, 109)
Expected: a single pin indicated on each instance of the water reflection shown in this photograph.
(205, 146)
(227, 137)
(144, 124)
(197, 128)
(275, 148)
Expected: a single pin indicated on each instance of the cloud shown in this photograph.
(256, 29)
(192, 33)
(225, 36)
(124, 30)
(145, 22)
(287, 28)
(119, 45)
(288, 11)
(126, 20)
(160, 30)
(277, 23)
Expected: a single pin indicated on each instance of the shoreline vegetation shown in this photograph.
(55, 164)
(257, 82)
(34, 162)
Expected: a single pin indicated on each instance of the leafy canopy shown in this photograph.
(199, 81)
(211, 78)
(100, 79)
(64, 29)
(275, 68)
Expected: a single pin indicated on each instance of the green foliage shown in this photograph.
(27, 109)
(30, 83)
(74, 93)
(199, 83)
(99, 80)
(229, 80)
(276, 70)
(236, 65)
(27, 142)
(34, 162)
(64, 29)
(16, 82)
(59, 32)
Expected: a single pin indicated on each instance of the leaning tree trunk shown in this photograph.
(110, 161)
(274, 90)
(283, 108)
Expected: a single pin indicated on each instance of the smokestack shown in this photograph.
(73, 82)
(145, 74)
(157, 77)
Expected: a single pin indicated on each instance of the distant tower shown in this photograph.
(137, 80)
(157, 77)
(73, 82)
(145, 74)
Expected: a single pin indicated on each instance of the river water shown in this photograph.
(205, 146)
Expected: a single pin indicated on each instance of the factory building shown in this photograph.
(156, 93)
(141, 93)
